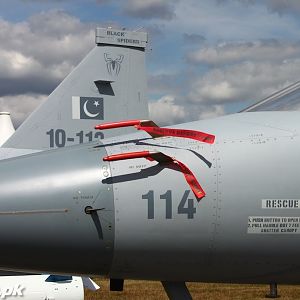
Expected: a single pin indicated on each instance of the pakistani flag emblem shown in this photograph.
(87, 108)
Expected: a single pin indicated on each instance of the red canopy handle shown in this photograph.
(151, 128)
(163, 158)
(126, 123)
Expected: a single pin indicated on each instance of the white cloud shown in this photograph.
(35, 55)
(244, 81)
(193, 38)
(216, 91)
(240, 51)
(45, 1)
(231, 21)
(20, 106)
(166, 112)
(282, 6)
(238, 72)
(164, 83)
(14, 63)
(211, 111)
(150, 9)
(279, 6)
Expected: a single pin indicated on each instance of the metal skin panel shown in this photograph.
(167, 247)
(250, 171)
(43, 224)
(214, 245)
(155, 233)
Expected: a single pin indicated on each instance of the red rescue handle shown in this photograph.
(163, 158)
(183, 133)
(128, 155)
(117, 124)
(151, 128)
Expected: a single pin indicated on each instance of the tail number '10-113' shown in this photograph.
(186, 205)
(59, 138)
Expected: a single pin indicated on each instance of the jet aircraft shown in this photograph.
(213, 201)
(36, 287)
(97, 89)
(41, 287)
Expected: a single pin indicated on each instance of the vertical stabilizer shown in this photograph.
(6, 127)
(108, 85)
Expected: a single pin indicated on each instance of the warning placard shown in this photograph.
(273, 225)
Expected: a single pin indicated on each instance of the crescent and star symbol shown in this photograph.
(96, 103)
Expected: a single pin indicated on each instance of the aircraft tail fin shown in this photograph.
(108, 85)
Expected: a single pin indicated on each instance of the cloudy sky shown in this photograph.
(206, 57)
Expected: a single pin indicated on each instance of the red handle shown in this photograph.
(129, 155)
(151, 128)
(183, 133)
(117, 124)
(163, 158)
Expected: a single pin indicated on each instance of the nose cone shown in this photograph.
(6, 127)
(55, 213)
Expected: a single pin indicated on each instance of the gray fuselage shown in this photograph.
(147, 223)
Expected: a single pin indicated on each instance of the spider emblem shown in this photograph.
(113, 65)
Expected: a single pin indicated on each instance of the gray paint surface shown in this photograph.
(255, 157)
(43, 203)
